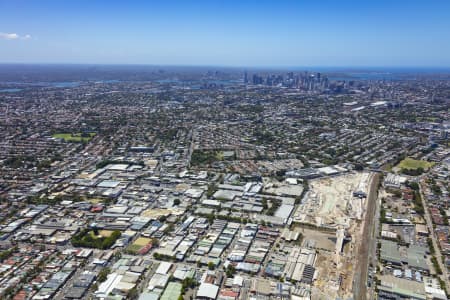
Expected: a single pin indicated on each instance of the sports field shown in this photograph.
(413, 164)
(138, 244)
(74, 137)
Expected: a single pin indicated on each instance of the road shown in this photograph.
(367, 240)
(437, 249)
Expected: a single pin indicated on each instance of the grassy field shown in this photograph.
(142, 241)
(200, 157)
(134, 248)
(74, 137)
(413, 164)
(138, 244)
(103, 233)
(95, 200)
(106, 233)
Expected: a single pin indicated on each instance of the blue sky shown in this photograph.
(227, 33)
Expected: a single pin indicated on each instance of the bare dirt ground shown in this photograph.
(330, 201)
(334, 203)
(323, 240)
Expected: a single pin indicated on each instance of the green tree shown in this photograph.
(231, 270)
(103, 274)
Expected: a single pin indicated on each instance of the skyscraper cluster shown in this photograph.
(305, 80)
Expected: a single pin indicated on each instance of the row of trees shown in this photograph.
(164, 257)
(413, 172)
(230, 218)
(275, 204)
(418, 205)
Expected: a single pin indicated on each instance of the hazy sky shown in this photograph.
(227, 33)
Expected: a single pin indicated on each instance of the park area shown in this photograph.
(414, 164)
(102, 239)
(74, 137)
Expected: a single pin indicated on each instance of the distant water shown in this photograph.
(389, 76)
(108, 81)
(10, 90)
(61, 84)
(56, 84)
(64, 84)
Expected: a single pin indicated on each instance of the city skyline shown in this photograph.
(231, 34)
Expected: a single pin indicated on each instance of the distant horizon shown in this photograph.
(262, 34)
(392, 68)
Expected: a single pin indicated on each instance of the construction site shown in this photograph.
(331, 214)
(333, 202)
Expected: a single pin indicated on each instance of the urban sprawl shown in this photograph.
(201, 184)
